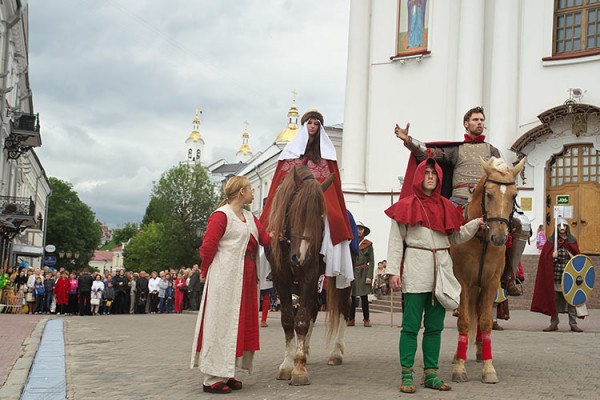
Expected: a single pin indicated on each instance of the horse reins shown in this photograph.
(486, 219)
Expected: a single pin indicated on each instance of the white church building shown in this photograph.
(533, 65)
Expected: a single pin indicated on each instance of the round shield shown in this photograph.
(578, 280)
(501, 295)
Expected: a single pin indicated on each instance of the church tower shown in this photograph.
(290, 131)
(194, 143)
(244, 154)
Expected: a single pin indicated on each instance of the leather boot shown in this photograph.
(511, 288)
(368, 323)
(497, 327)
(350, 322)
(551, 328)
(575, 328)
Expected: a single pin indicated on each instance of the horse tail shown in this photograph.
(338, 304)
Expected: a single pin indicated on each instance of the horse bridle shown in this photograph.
(486, 219)
(483, 209)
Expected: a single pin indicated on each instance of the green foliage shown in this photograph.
(177, 214)
(72, 225)
(122, 235)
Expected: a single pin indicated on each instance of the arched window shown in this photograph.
(190, 153)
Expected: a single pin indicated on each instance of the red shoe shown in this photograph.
(217, 388)
(234, 384)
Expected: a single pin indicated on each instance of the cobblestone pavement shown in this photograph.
(19, 339)
(147, 357)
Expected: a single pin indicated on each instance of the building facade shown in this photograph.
(534, 67)
(24, 186)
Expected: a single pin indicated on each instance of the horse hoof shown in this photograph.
(284, 375)
(459, 377)
(489, 377)
(300, 380)
(335, 361)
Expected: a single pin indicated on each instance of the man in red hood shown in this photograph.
(427, 223)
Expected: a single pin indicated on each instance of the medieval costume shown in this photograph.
(547, 294)
(335, 248)
(422, 230)
(459, 161)
(227, 324)
(363, 271)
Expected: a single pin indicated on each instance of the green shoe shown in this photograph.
(431, 380)
(407, 386)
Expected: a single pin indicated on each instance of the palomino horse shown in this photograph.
(479, 263)
(297, 220)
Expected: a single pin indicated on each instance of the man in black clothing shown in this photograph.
(141, 295)
(195, 288)
(85, 292)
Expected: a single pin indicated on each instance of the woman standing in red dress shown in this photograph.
(227, 325)
(180, 289)
(61, 291)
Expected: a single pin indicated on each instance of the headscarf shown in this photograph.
(297, 147)
(434, 212)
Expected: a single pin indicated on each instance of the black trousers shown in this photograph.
(84, 303)
(364, 303)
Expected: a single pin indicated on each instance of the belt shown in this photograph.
(365, 266)
(426, 249)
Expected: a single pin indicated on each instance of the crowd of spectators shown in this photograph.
(51, 291)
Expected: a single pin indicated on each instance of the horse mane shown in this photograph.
(306, 208)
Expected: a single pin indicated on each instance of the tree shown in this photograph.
(181, 202)
(141, 252)
(122, 235)
(72, 225)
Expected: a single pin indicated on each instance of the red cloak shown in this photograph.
(334, 199)
(543, 292)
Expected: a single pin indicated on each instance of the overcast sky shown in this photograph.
(116, 84)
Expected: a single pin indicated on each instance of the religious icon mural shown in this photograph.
(412, 38)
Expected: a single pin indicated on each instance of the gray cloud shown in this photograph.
(116, 84)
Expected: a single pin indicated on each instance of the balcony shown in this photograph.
(24, 134)
(16, 215)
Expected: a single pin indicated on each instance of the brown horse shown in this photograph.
(479, 263)
(297, 220)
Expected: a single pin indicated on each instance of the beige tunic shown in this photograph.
(221, 300)
(417, 276)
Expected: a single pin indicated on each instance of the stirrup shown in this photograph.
(408, 385)
(431, 380)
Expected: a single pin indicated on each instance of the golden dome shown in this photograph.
(195, 134)
(289, 133)
(244, 149)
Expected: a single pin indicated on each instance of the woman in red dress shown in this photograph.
(61, 291)
(180, 289)
(227, 325)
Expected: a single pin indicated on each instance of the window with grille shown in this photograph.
(577, 164)
(576, 27)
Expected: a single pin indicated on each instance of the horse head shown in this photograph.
(498, 192)
(297, 216)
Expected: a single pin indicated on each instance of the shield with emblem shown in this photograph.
(578, 280)
(501, 295)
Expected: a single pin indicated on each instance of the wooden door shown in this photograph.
(576, 172)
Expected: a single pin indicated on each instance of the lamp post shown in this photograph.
(70, 257)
